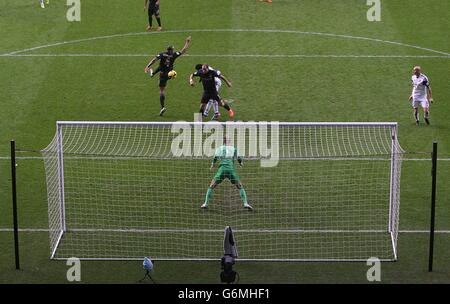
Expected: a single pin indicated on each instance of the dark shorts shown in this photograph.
(207, 96)
(163, 78)
(153, 10)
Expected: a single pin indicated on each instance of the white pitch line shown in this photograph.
(271, 56)
(242, 230)
(228, 31)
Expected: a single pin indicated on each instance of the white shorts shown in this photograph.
(218, 83)
(422, 102)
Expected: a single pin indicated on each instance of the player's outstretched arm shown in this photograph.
(226, 80)
(187, 43)
(191, 79)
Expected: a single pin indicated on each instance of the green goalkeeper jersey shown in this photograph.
(226, 156)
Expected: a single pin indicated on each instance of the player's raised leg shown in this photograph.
(228, 108)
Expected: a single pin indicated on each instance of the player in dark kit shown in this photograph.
(222, 102)
(166, 61)
(207, 77)
(152, 6)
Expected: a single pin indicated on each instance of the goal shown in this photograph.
(320, 191)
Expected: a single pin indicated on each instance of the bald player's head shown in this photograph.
(205, 68)
(417, 70)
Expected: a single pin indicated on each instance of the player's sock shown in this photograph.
(427, 117)
(243, 195)
(162, 97)
(216, 107)
(416, 116)
(207, 108)
(208, 196)
(158, 19)
(227, 107)
(42, 3)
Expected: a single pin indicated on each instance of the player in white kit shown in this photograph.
(421, 94)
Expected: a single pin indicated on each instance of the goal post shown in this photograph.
(319, 191)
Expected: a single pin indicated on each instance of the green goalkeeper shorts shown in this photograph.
(226, 172)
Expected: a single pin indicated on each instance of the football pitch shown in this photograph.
(292, 60)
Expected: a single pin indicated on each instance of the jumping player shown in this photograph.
(222, 102)
(421, 94)
(166, 62)
(207, 78)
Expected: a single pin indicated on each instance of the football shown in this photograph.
(172, 74)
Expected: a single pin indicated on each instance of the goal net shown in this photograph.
(319, 191)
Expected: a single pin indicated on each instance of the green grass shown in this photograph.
(37, 91)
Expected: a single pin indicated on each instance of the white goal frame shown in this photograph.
(57, 199)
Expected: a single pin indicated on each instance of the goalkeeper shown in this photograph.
(226, 155)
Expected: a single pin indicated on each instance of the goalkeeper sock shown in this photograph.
(243, 195)
(162, 97)
(209, 193)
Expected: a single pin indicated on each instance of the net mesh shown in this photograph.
(125, 191)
